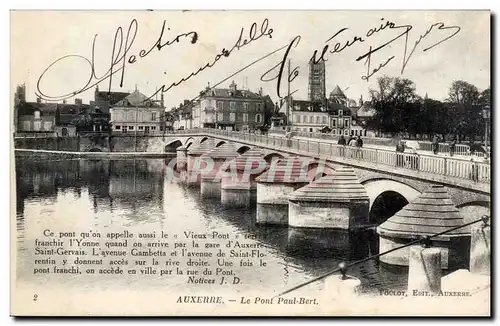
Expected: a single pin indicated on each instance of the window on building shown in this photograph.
(341, 112)
(124, 129)
(232, 106)
(346, 132)
(131, 115)
(37, 114)
(311, 119)
(220, 116)
(153, 127)
(324, 120)
(232, 117)
(296, 118)
(118, 127)
(245, 106)
(37, 125)
(245, 117)
(341, 125)
(47, 125)
(258, 118)
(26, 125)
(153, 116)
(130, 127)
(141, 127)
(334, 131)
(219, 104)
(317, 120)
(334, 123)
(346, 122)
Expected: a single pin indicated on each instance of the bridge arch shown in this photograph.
(273, 157)
(203, 139)
(95, 149)
(220, 143)
(242, 149)
(190, 139)
(387, 197)
(172, 146)
(318, 169)
(474, 210)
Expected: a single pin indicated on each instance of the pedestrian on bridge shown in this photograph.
(359, 144)
(352, 143)
(474, 171)
(435, 144)
(452, 147)
(342, 142)
(400, 148)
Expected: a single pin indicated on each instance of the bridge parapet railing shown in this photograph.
(460, 149)
(446, 166)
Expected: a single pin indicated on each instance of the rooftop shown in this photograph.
(136, 99)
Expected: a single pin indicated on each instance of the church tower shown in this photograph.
(317, 86)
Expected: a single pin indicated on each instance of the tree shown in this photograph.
(462, 92)
(465, 109)
(396, 105)
(485, 98)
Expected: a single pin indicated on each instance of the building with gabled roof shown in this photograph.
(138, 114)
(104, 100)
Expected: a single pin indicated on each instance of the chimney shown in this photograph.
(161, 101)
(78, 101)
(260, 91)
(38, 100)
(64, 101)
(233, 86)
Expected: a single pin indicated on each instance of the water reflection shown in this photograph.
(137, 194)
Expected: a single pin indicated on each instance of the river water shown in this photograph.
(135, 195)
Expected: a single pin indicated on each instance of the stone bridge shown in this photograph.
(386, 185)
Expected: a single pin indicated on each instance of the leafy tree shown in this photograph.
(399, 109)
(465, 109)
(396, 105)
(485, 98)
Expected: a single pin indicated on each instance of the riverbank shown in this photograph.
(32, 152)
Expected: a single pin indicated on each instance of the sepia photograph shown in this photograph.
(254, 163)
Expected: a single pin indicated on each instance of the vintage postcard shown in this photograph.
(250, 163)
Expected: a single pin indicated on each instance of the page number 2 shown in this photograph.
(35, 297)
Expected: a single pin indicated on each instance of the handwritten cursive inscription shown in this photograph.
(120, 58)
(123, 56)
(291, 75)
(253, 35)
(338, 47)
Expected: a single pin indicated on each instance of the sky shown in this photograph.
(39, 38)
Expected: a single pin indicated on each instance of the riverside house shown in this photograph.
(136, 114)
